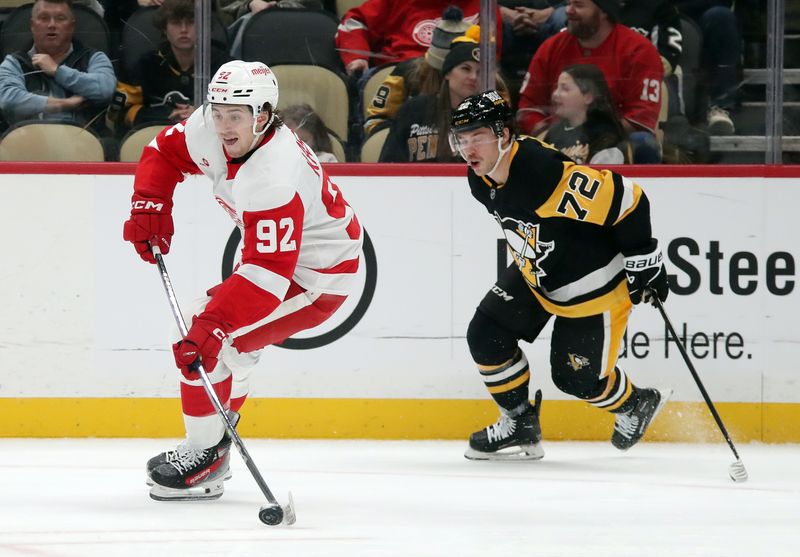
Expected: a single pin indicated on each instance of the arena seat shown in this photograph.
(337, 148)
(281, 36)
(371, 148)
(50, 141)
(134, 142)
(325, 91)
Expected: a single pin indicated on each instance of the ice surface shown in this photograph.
(88, 498)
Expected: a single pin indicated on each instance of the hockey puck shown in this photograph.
(271, 515)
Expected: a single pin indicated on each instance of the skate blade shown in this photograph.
(665, 394)
(228, 476)
(523, 452)
(202, 492)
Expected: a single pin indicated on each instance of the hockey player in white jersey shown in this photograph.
(300, 255)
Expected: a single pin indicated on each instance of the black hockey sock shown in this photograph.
(508, 383)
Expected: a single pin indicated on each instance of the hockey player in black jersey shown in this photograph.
(583, 252)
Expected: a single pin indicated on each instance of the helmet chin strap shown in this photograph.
(257, 134)
(502, 153)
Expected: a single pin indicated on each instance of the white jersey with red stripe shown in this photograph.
(295, 224)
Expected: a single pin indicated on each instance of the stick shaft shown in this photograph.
(696, 377)
(209, 388)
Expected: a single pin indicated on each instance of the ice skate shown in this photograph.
(169, 456)
(191, 474)
(517, 438)
(630, 426)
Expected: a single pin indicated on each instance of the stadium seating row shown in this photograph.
(54, 141)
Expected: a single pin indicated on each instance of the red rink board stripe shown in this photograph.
(431, 170)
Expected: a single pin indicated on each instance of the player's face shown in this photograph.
(479, 148)
(234, 127)
(52, 27)
(463, 80)
(181, 34)
(583, 18)
(569, 102)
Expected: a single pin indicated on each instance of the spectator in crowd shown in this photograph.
(57, 78)
(630, 63)
(419, 133)
(722, 51)
(588, 130)
(308, 126)
(162, 87)
(526, 24)
(417, 76)
(660, 22)
(385, 31)
(240, 11)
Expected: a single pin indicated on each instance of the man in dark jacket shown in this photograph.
(57, 78)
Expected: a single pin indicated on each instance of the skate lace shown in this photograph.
(626, 424)
(186, 458)
(504, 427)
(173, 455)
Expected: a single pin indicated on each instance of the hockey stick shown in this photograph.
(272, 514)
(736, 470)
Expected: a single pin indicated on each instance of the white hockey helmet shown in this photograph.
(249, 83)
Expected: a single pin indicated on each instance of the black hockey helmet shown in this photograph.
(484, 109)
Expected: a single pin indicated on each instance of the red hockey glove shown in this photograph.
(151, 221)
(646, 274)
(204, 341)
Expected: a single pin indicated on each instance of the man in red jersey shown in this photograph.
(299, 258)
(385, 31)
(630, 63)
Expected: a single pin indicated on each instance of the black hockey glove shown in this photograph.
(646, 274)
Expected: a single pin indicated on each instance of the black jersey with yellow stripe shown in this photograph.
(566, 226)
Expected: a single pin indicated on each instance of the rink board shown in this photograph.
(84, 345)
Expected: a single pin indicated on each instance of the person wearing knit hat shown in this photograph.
(381, 31)
(419, 132)
(462, 49)
(612, 8)
(419, 76)
(451, 26)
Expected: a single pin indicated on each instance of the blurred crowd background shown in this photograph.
(606, 81)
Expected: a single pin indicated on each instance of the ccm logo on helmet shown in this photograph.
(260, 71)
(147, 205)
(219, 89)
